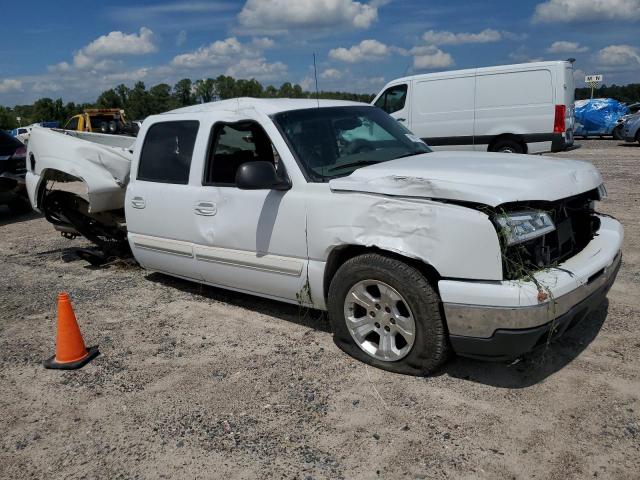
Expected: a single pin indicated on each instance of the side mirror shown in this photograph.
(260, 175)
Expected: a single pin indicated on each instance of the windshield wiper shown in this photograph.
(359, 163)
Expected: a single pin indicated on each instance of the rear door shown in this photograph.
(160, 202)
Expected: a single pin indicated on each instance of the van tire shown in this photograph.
(430, 345)
(507, 146)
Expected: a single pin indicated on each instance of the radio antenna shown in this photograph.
(315, 74)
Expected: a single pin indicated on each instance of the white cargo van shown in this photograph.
(524, 108)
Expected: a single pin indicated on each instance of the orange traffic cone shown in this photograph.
(70, 350)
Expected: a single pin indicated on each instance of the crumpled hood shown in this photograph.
(487, 178)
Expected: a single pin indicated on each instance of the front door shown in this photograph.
(394, 101)
(250, 240)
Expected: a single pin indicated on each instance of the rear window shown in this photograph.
(167, 151)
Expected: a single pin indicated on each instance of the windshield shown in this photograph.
(333, 142)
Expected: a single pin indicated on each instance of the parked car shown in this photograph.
(631, 128)
(525, 108)
(599, 117)
(22, 133)
(633, 109)
(337, 206)
(12, 173)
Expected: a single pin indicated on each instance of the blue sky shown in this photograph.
(75, 50)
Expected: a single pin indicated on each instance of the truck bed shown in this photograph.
(101, 162)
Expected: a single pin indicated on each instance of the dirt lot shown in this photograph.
(196, 382)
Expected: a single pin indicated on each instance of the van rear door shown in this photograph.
(569, 96)
(518, 103)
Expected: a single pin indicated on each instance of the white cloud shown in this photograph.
(618, 55)
(181, 38)
(366, 50)
(567, 47)
(331, 74)
(222, 53)
(444, 37)
(59, 67)
(430, 57)
(257, 68)
(244, 60)
(111, 45)
(587, 10)
(278, 16)
(10, 85)
(118, 43)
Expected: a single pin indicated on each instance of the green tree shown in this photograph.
(205, 90)
(109, 99)
(138, 105)
(226, 87)
(183, 91)
(7, 119)
(160, 98)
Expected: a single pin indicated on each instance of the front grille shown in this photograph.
(576, 224)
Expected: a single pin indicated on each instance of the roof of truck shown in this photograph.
(269, 106)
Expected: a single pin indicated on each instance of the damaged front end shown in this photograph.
(540, 235)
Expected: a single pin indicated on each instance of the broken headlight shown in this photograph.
(602, 191)
(518, 227)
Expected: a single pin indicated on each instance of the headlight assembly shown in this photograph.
(518, 227)
(602, 191)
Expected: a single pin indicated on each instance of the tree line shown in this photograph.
(140, 102)
(623, 93)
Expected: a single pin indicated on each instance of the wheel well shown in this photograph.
(57, 176)
(508, 136)
(340, 255)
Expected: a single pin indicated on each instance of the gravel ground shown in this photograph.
(196, 382)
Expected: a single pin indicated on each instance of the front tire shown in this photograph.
(385, 313)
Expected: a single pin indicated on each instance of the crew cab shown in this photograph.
(337, 206)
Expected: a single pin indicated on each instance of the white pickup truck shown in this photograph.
(336, 206)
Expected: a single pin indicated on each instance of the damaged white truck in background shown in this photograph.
(336, 206)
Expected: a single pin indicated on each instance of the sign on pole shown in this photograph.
(593, 81)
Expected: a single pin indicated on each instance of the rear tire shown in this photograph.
(400, 300)
(507, 146)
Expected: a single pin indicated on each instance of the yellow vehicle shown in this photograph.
(99, 120)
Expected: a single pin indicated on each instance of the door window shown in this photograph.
(393, 99)
(233, 144)
(167, 151)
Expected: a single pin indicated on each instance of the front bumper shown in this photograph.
(502, 320)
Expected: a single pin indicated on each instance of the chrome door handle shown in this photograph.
(138, 202)
(207, 209)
